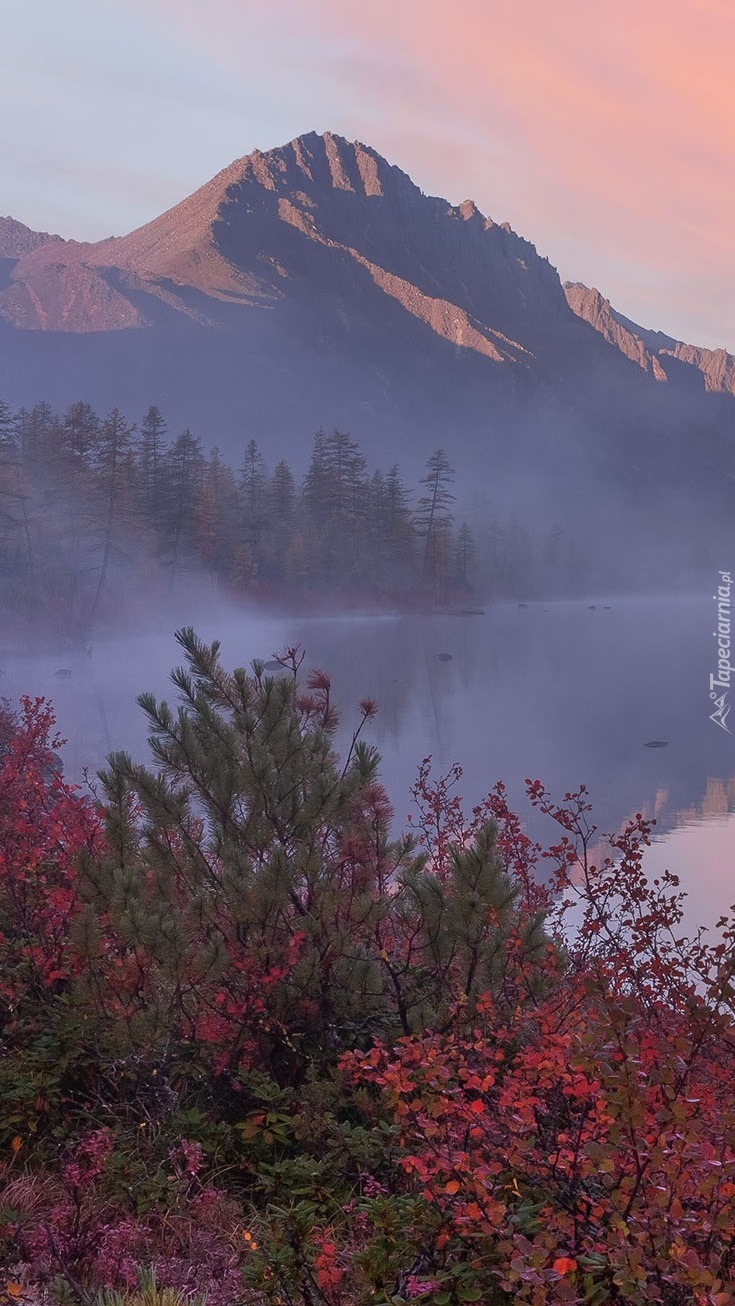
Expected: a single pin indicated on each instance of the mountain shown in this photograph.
(658, 355)
(17, 240)
(271, 227)
(315, 284)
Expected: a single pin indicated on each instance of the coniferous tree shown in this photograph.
(217, 515)
(280, 522)
(335, 502)
(398, 533)
(76, 494)
(249, 793)
(345, 541)
(16, 544)
(151, 450)
(464, 555)
(114, 467)
(249, 861)
(181, 479)
(80, 433)
(252, 487)
(35, 432)
(434, 520)
(7, 427)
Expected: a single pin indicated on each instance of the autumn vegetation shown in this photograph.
(257, 1047)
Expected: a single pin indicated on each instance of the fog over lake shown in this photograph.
(570, 692)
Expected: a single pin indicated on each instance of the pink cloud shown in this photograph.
(608, 130)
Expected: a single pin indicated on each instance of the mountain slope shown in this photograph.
(657, 354)
(17, 239)
(260, 227)
(316, 284)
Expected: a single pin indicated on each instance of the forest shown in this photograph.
(260, 1044)
(94, 510)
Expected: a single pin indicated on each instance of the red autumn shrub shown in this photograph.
(461, 1067)
(44, 827)
(581, 1146)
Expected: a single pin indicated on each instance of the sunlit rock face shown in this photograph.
(17, 239)
(657, 354)
(320, 210)
(315, 284)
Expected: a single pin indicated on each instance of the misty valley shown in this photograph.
(507, 646)
(96, 513)
(367, 930)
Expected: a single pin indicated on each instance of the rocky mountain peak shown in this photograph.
(16, 239)
(320, 219)
(327, 162)
(317, 284)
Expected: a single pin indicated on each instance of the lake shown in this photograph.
(570, 692)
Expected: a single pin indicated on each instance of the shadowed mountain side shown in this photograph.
(316, 284)
(396, 386)
(17, 240)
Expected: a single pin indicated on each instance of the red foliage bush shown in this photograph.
(44, 827)
(581, 1145)
(561, 1127)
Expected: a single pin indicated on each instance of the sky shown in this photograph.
(603, 132)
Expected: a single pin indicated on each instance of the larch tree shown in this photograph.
(434, 520)
(464, 555)
(115, 473)
(253, 495)
(151, 449)
(180, 485)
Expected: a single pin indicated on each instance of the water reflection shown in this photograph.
(569, 692)
(702, 853)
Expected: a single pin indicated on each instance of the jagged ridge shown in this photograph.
(657, 354)
(471, 281)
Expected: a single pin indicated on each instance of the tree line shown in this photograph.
(88, 503)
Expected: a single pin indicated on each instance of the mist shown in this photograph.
(312, 406)
(569, 691)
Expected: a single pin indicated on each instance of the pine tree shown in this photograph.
(151, 450)
(115, 474)
(336, 502)
(217, 515)
(37, 430)
(280, 521)
(265, 914)
(392, 537)
(7, 427)
(257, 849)
(80, 434)
(16, 545)
(180, 482)
(464, 555)
(434, 520)
(252, 487)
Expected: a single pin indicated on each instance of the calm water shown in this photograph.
(562, 691)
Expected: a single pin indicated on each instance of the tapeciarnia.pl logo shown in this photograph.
(724, 670)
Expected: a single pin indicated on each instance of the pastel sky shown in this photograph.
(604, 132)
